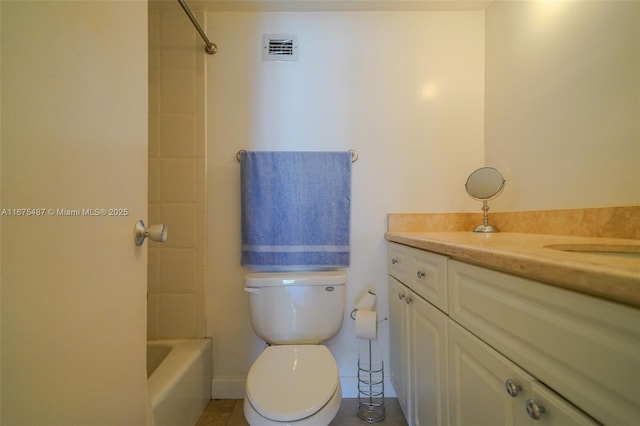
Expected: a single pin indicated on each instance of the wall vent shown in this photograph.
(279, 47)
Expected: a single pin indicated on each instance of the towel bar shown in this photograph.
(354, 155)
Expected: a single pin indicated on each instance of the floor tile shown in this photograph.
(229, 412)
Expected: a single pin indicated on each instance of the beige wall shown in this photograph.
(563, 103)
(176, 175)
(404, 89)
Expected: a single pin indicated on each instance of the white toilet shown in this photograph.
(295, 381)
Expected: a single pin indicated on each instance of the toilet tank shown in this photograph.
(296, 307)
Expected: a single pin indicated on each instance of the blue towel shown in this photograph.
(295, 210)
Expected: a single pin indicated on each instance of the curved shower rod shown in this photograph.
(210, 47)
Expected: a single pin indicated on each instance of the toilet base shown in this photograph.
(321, 418)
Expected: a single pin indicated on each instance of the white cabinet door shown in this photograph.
(557, 410)
(584, 348)
(477, 383)
(428, 357)
(398, 342)
(479, 392)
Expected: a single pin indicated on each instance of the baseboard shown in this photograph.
(232, 387)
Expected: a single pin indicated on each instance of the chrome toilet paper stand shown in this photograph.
(370, 405)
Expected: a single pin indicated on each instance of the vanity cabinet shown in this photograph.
(487, 389)
(584, 348)
(418, 337)
(399, 342)
(514, 349)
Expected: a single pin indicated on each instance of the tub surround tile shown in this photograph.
(154, 181)
(154, 132)
(153, 270)
(178, 135)
(177, 91)
(179, 58)
(176, 174)
(153, 307)
(178, 271)
(154, 30)
(175, 34)
(154, 216)
(181, 224)
(177, 315)
(178, 180)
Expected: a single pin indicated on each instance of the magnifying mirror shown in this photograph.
(485, 184)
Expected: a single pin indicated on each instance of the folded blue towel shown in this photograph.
(295, 210)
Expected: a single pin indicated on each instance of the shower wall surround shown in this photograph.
(176, 272)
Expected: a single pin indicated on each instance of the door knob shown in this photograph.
(156, 233)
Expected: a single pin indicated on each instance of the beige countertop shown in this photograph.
(611, 277)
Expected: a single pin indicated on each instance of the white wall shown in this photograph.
(404, 89)
(563, 103)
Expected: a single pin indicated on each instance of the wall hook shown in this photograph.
(154, 232)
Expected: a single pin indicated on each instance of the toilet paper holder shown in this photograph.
(353, 316)
(366, 302)
(370, 401)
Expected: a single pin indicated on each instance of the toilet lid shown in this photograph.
(291, 382)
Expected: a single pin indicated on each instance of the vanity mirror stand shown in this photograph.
(485, 184)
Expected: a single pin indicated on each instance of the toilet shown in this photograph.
(295, 380)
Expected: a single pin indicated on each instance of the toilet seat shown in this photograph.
(291, 382)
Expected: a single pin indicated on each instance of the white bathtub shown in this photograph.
(179, 380)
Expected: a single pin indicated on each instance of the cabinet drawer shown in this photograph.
(423, 272)
(428, 277)
(586, 349)
(398, 262)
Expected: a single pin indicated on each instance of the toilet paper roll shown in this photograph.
(366, 325)
(366, 302)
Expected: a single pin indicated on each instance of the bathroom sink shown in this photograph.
(615, 250)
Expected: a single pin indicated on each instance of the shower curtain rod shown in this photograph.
(210, 47)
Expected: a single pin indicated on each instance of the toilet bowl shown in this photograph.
(293, 385)
(294, 381)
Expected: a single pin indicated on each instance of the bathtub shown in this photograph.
(179, 380)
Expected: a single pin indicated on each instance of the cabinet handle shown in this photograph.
(394, 261)
(401, 296)
(534, 410)
(512, 388)
(420, 274)
(408, 300)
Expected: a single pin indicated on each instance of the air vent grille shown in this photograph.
(280, 47)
